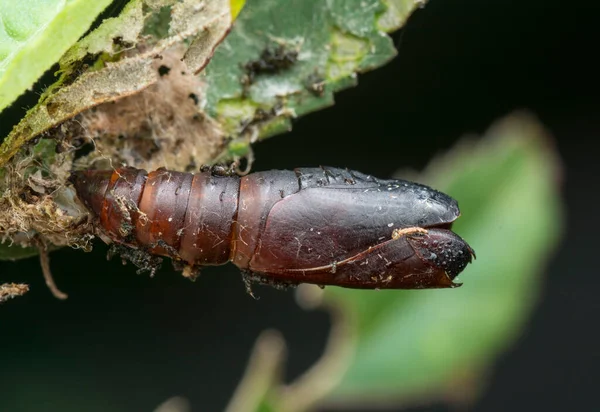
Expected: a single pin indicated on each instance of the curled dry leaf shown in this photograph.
(35, 202)
(121, 52)
(12, 290)
(158, 127)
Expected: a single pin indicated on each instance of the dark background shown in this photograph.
(124, 342)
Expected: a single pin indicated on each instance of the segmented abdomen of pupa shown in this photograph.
(182, 215)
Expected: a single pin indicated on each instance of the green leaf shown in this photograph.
(325, 43)
(436, 342)
(34, 34)
(15, 252)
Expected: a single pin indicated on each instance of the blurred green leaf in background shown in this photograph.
(399, 347)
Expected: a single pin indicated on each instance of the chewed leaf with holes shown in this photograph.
(33, 36)
(284, 59)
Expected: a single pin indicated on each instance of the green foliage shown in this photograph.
(326, 42)
(33, 36)
(15, 252)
